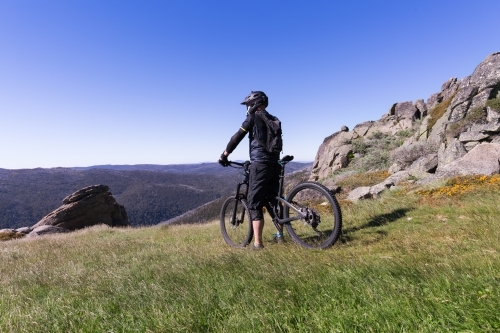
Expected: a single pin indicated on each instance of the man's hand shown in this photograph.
(223, 160)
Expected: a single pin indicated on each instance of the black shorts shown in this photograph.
(263, 187)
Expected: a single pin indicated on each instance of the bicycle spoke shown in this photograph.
(321, 220)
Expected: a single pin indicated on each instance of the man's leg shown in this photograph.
(258, 227)
(259, 178)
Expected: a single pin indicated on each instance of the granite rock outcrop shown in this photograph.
(87, 207)
(461, 122)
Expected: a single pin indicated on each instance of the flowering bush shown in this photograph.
(464, 184)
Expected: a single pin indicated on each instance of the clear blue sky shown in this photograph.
(159, 82)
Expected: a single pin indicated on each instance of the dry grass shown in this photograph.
(474, 116)
(8, 235)
(494, 103)
(438, 111)
(406, 155)
(400, 266)
(352, 181)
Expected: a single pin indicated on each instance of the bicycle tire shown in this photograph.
(239, 233)
(323, 226)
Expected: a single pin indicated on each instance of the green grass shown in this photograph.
(494, 103)
(474, 116)
(405, 263)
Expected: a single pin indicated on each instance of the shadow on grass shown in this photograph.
(376, 221)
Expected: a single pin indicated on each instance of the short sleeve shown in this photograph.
(248, 123)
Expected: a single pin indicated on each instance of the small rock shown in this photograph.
(24, 230)
(359, 194)
(47, 229)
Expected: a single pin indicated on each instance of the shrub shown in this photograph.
(494, 103)
(406, 155)
(375, 160)
(404, 133)
(8, 235)
(459, 185)
(374, 153)
(474, 116)
(360, 146)
(377, 135)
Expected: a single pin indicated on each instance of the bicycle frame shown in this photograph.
(276, 210)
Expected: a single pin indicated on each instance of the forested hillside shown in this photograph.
(149, 196)
(210, 211)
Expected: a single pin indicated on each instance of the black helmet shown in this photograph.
(255, 99)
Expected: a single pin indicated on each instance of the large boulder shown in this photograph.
(332, 154)
(87, 207)
(405, 110)
(483, 159)
(487, 73)
(423, 166)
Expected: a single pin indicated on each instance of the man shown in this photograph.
(264, 170)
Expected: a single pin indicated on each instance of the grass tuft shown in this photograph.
(8, 235)
(352, 181)
(494, 103)
(475, 116)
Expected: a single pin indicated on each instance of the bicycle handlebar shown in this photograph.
(239, 163)
(284, 160)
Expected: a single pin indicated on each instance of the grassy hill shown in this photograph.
(415, 260)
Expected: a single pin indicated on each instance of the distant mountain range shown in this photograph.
(199, 168)
(150, 193)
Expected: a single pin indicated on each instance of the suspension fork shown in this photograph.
(238, 196)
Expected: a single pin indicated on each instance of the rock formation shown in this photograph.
(86, 207)
(465, 131)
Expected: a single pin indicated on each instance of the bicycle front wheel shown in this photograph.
(235, 223)
(320, 222)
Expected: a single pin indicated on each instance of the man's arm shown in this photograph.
(236, 138)
(234, 141)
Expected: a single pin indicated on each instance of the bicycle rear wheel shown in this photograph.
(321, 227)
(235, 223)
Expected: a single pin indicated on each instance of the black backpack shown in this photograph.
(274, 141)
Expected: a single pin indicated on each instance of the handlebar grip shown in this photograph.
(239, 163)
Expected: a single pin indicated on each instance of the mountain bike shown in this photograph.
(310, 212)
